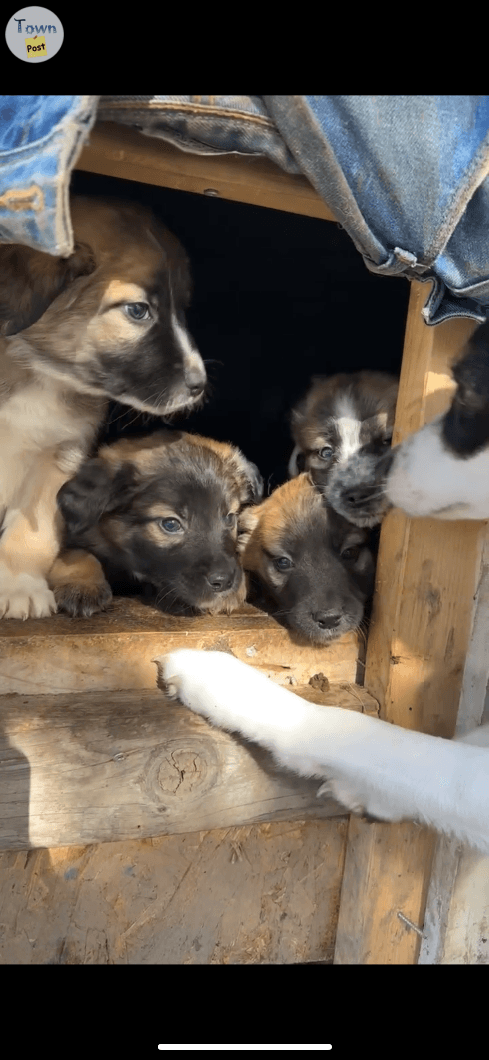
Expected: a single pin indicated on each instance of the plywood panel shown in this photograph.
(267, 894)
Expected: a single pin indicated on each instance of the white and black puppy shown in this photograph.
(442, 471)
(372, 767)
(342, 429)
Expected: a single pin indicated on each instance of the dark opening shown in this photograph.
(277, 298)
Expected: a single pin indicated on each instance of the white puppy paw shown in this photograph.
(205, 681)
(355, 801)
(25, 596)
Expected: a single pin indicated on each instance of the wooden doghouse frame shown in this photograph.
(427, 661)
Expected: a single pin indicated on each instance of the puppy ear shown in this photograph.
(296, 463)
(255, 482)
(251, 481)
(84, 499)
(247, 521)
(30, 280)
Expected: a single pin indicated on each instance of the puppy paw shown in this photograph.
(83, 601)
(25, 596)
(343, 791)
(204, 681)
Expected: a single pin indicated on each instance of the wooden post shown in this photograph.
(422, 621)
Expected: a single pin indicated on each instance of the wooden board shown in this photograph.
(427, 577)
(262, 894)
(118, 151)
(114, 650)
(99, 767)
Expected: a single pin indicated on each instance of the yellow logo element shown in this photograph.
(36, 46)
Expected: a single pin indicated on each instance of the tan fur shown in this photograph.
(265, 525)
(78, 583)
(56, 315)
(146, 464)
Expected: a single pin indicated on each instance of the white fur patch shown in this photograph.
(428, 480)
(348, 426)
(374, 767)
(191, 356)
(24, 596)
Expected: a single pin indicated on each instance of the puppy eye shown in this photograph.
(283, 563)
(137, 310)
(229, 519)
(172, 526)
(387, 442)
(326, 453)
(351, 553)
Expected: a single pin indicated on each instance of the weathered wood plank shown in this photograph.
(422, 619)
(114, 650)
(99, 767)
(118, 151)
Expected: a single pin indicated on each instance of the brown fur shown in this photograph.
(323, 593)
(117, 504)
(68, 341)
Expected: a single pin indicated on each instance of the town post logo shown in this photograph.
(34, 34)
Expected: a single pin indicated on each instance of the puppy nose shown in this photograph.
(327, 619)
(219, 581)
(360, 495)
(195, 379)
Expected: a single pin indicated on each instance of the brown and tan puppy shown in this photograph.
(107, 322)
(163, 509)
(317, 568)
(342, 431)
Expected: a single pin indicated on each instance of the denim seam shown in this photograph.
(201, 110)
(70, 116)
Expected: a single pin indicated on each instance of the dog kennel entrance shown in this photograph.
(428, 577)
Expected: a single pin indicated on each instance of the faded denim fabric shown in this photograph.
(406, 176)
(204, 125)
(40, 140)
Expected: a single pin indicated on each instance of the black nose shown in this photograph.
(327, 619)
(195, 379)
(219, 581)
(360, 495)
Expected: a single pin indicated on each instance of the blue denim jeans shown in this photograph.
(406, 176)
(40, 140)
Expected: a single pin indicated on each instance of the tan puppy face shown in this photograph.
(343, 429)
(110, 320)
(164, 509)
(318, 569)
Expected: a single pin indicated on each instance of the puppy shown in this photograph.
(442, 471)
(372, 767)
(163, 509)
(342, 428)
(318, 568)
(107, 322)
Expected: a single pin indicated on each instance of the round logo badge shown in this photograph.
(34, 34)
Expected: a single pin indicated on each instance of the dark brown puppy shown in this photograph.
(343, 429)
(318, 568)
(106, 322)
(163, 509)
